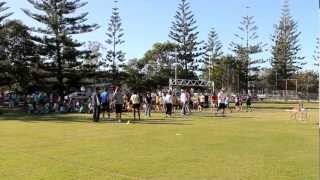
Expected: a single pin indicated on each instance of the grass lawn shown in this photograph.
(260, 145)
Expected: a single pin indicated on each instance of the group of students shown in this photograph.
(105, 102)
(222, 102)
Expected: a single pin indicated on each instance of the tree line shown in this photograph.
(48, 57)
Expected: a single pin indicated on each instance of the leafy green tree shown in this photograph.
(21, 55)
(160, 58)
(184, 33)
(285, 50)
(225, 73)
(62, 56)
(135, 79)
(307, 82)
(247, 44)
(213, 51)
(3, 42)
(115, 34)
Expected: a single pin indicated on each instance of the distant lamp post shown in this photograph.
(176, 70)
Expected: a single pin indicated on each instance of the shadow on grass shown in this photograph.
(13, 115)
(161, 122)
(281, 108)
(63, 118)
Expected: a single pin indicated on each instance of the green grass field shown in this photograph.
(260, 145)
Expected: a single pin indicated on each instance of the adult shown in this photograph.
(238, 103)
(96, 103)
(118, 101)
(221, 101)
(190, 103)
(168, 103)
(227, 103)
(135, 100)
(104, 96)
(162, 104)
(202, 100)
(148, 103)
(158, 107)
(185, 102)
(248, 102)
(175, 103)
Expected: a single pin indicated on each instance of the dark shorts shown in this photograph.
(222, 106)
(106, 107)
(136, 106)
(118, 108)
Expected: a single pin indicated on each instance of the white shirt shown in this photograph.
(221, 97)
(202, 99)
(168, 99)
(135, 99)
(183, 97)
(226, 101)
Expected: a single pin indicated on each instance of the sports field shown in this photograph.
(261, 145)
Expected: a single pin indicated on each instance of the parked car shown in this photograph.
(78, 95)
(261, 97)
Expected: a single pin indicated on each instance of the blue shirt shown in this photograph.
(104, 97)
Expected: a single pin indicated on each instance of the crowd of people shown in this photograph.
(40, 103)
(105, 102)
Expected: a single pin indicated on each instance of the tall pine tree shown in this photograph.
(3, 13)
(115, 33)
(213, 50)
(316, 55)
(247, 44)
(285, 50)
(184, 33)
(62, 57)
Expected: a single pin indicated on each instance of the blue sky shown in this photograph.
(148, 21)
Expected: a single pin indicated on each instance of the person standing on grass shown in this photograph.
(158, 107)
(202, 100)
(227, 103)
(175, 103)
(96, 103)
(184, 101)
(148, 102)
(104, 96)
(212, 102)
(248, 102)
(162, 104)
(238, 103)
(168, 103)
(135, 100)
(221, 101)
(118, 101)
(190, 103)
